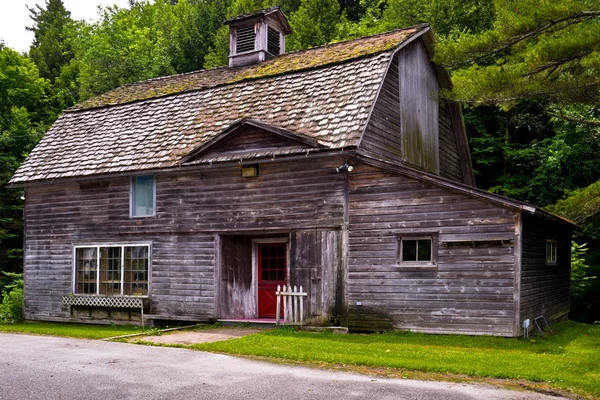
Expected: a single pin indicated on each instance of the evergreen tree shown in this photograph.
(535, 48)
(52, 29)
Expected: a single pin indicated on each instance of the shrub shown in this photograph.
(11, 308)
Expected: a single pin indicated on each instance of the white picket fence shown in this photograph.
(293, 304)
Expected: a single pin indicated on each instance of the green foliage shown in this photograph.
(52, 29)
(535, 48)
(121, 49)
(11, 308)
(314, 24)
(582, 205)
(567, 359)
(580, 280)
(26, 110)
(446, 17)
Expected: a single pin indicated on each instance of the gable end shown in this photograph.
(249, 138)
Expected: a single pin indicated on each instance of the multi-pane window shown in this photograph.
(272, 262)
(416, 250)
(112, 270)
(143, 191)
(550, 252)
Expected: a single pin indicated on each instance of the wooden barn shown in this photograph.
(337, 168)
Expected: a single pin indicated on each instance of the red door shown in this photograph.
(272, 271)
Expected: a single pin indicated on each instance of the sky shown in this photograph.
(14, 17)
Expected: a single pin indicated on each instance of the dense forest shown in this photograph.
(527, 72)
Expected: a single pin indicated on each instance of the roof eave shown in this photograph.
(427, 177)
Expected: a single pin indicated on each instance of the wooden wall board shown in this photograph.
(469, 290)
(191, 208)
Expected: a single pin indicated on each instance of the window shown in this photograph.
(245, 39)
(143, 194)
(550, 252)
(111, 270)
(419, 250)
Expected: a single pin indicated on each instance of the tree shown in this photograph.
(314, 24)
(535, 49)
(52, 29)
(118, 50)
(26, 111)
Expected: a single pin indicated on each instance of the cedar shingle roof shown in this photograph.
(325, 93)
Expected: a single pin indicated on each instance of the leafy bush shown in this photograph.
(11, 308)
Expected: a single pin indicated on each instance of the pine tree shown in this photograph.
(543, 48)
(52, 29)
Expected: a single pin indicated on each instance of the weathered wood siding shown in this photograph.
(248, 140)
(236, 295)
(418, 108)
(193, 209)
(471, 288)
(316, 265)
(544, 288)
(382, 135)
(417, 130)
(450, 162)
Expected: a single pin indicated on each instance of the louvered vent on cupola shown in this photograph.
(256, 36)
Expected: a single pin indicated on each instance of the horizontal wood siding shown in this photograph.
(544, 288)
(247, 140)
(450, 163)
(192, 208)
(470, 290)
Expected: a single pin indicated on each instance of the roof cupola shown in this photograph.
(256, 36)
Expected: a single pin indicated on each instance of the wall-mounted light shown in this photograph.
(250, 171)
(345, 168)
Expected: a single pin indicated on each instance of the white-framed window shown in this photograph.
(143, 196)
(551, 250)
(112, 269)
(417, 250)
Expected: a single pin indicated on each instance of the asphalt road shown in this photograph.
(40, 367)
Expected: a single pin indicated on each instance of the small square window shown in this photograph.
(550, 251)
(416, 250)
(143, 193)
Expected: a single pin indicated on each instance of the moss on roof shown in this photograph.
(303, 60)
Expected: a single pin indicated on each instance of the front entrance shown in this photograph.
(272, 271)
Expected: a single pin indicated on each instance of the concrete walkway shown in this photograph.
(189, 336)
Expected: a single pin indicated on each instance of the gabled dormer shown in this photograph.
(256, 36)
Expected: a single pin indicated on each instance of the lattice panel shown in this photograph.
(100, 301)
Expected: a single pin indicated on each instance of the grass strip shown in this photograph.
(568, 359)
(79, 331)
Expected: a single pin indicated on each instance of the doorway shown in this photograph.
(272, 271)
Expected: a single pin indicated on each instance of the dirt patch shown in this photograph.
(200, 336)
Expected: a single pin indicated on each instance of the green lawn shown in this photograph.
(79, 331)
(568, 360)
